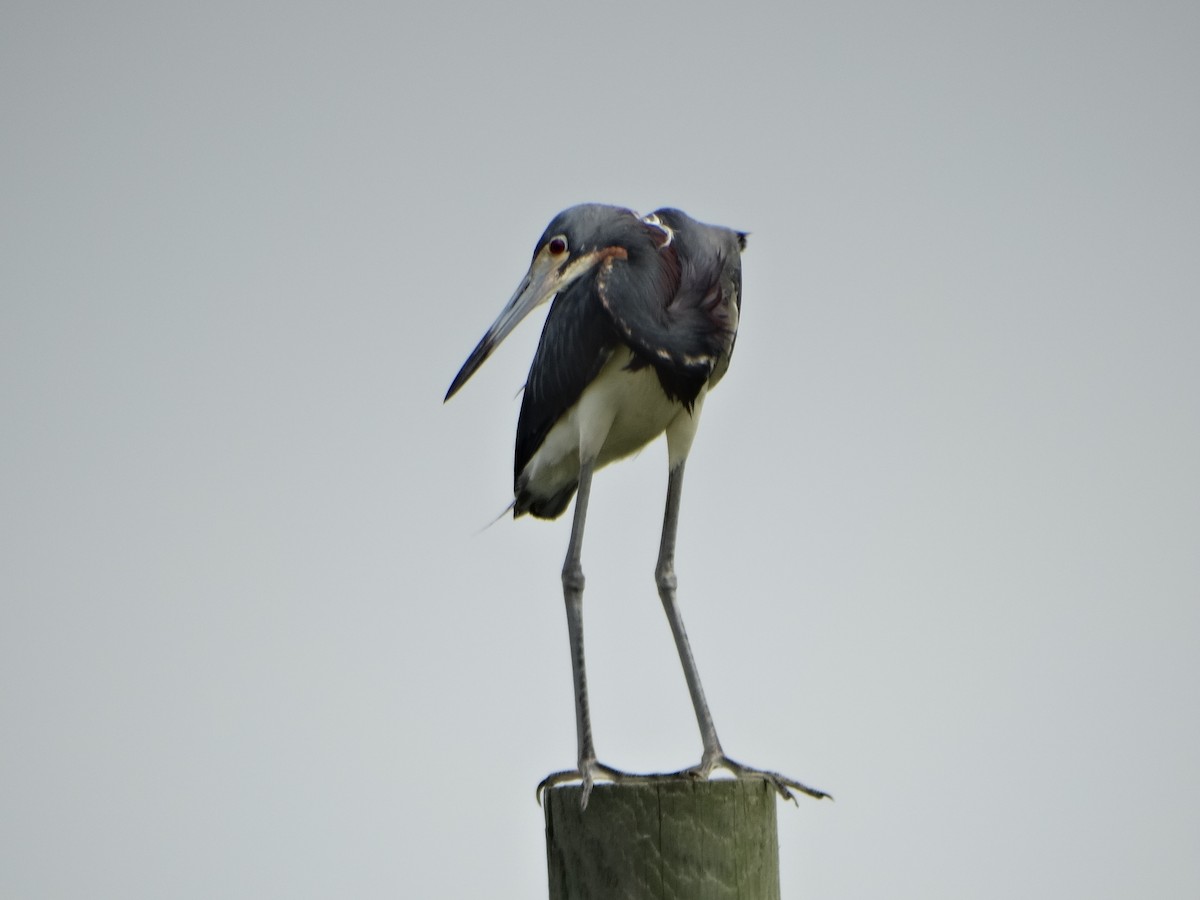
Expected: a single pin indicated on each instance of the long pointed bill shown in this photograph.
(543, 280)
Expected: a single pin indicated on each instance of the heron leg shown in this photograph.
(572, 579)
(664, 575)
(714, 756)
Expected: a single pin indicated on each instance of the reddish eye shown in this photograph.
(557, 246)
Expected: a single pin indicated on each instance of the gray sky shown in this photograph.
(939, 544)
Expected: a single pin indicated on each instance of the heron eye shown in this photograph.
(558, 246)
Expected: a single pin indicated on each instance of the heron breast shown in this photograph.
(617, 414)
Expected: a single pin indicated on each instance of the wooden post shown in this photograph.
(664, 840)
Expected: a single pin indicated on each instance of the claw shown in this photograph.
(781, 783)
(587, 773)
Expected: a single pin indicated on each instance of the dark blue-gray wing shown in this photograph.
(577, 340)
(677, 308)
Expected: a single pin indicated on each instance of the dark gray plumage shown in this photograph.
(642, 326)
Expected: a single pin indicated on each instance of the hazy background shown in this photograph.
(940, 550)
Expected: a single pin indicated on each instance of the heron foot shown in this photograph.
(588, 772)
(781, 783)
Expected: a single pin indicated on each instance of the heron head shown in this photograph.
(573, 244)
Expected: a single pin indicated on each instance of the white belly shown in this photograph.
(618, 413)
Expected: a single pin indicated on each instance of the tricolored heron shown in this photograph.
(641, 328)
